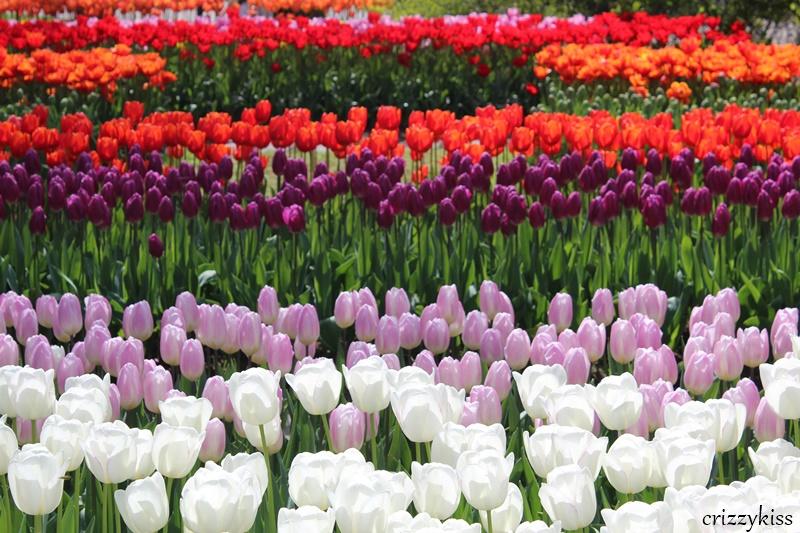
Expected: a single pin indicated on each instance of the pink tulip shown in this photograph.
(449, 372)
(397, 302)
(388, 337)
(39, 353)
(592, 338)
(230, 344)
(94, 342)
(212, 330)
(724, 325)
(540, 342)
(577, 365)
(175, 393)
(623, 343)
(129, 383)
(137, 320)
(69, 366)
(559, 313)
(768, 425)
(728, 362)
(357, 351)
(9, 350)
(678, 396)
(554, 354)
(746, 393)
(47, 310)
(120, 351)
(216, 391)
(728, 301)
(365, 297)
(98, 309)
(430, 312)
(187, 304)
(24, 427)
(470, 369)
(157, 383)
(281, 354)
(172, 316)
(640, 428)
(436, 336)
(499, 378)
(489, 298)
(426, 362)
(650, 364)
(410, 332)
(504, 305)
(250, 334)
(113, 399)
(694, 345)
(26, 325)
(517, 349)
(603, 307)
(469, 414)
(345, 308)
(627, 303)
(170, 344)
(391, 360)
(268, 305)
(70, 320)
(491, 346)
(366, 323)
(504, 323)
(213, 447)
(652, 302)
(568, 339)
(348, 427)
(653, 395)
(448, 302)
(753, 345)
(487, 399)
(192, 360)
(475, 323)
(648, 333)
(456, 325)
(79, 351)
(308, 325)
(699, 373)
(783, 328)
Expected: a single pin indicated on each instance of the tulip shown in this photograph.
(410, 333)
(475, 324)
(455, 439)
(508, 516)
(553, 445)
(69, 319)
(47, 310)
(317, 386)
(632, 516)
(569, 496)
(89, 405)
(699, 374)
(753, 345)
(499, 378)
(449, 372)
(368, 384)
(155, 386)
(491, 346)
(569, 405)
(684, 460)
(486, 403)
(192, 360)
(623, 342)
(603, 307)
(129, 383)
(483, 476)
(617, 401)
(306, 518)
(436, 489)
(539, 526)
(215, 500)
(423, 409)
(728, 361)
(767, 425)
(366, 323)
(559, 313)
(768, 457)
(629, 463)
(268, 305)
(254, 395)
(397, 302)
(9, 351)
(8, 445)
(137, 320)
(36, 480)
(186, 411)
(746, 393)
(388, 336)
(347, 426)
(32, 393)
(94, 342)
(68, 367)
(436, 336)
(312, 476)
(577, 366)
(517, 349)
(187, 304)
(345, 308)
(308, 325)
(471, 371)
(592, 338)
(144, 504)
(26, 325)
(534, 386)
(110, 450)
(175, 449)
(213, 447)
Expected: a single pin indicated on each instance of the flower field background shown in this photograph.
(314, 266)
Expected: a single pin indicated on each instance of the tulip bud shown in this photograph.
(9, 351)
(250, 333)
(436, 336)
(499, 378)
(192, 360)
(603, 307)
(397, 302)
(623, 343)
(129, 383)
(366, 323)
(348, 427)
(68, 367)
(699, 373)
(172, 340)
(308, 325)
(213, 447)
(559, 313)
(577, 366)
(475, 324)
(728, 359)
(410, 334)
(156, 384)
(471, 371)
(47, 310)
(486, 402)
(137, 320)
(753, 346)
(388, 337)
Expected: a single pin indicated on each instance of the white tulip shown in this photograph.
(408, 375)
(685, 460)
(617, 401)
(254, 395)
(312, 477)
(186, 411)
(731, 418)
(423, 410)
(111, 452)
(89, 381)
(6, 397)
(767, 458)
(628, 464)
(144, 454)
(535, 384)
(539, 526)
(63, 437)
(781, 382)
(455, 439)
(455, 525)
(553, 445)
(436, 489)
(359, 508)
(368, 384)
(143, 504)
(252, 463)
(8, 445)
(214, 500)
(317, 385)
(175, 449)
(569, 496)
(569, 406)
(508, 516)
(36, 479)
(32, 392)
(87, 405)
(273, 435)
(484, 478)
(304, 519)
(637, 516)
(695, 419)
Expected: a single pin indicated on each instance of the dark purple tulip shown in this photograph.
(374, 195)
(316, 192)
(108, 193)
(3, 212)
(152, 199)
(507, 226)
(786, 182)
(597, 216)
(358, 183)
(600, 172)
(371, 170)
(217, 208)
(773, 189)
(156, 163)
(237, 217)
(764, 206)
(751, 190)
(38, 221)
(722, 221)
(654, 211)
(273, 212)
(479, 179)
(447, 212)
(717, 179)
(398, 197)
(500, 195)
(385, 214)
(427, 192)
(549, 187)
(89, 184)
(342, 184)
(703, 201)
(504, 176)
(386, 184)
(155, 246)
(664, 190)
(294, 218)
(611, 206)
(56, 194)
(230, 199)
(629, 197)
(462, 196)
(709, 162)
(536, 215)
(35, 195)
(31, 160)
(9, 188)
(735, 192)
(573, 204)
(740, 170)
(772, 170)
(189, 204)
(76, 208)
(791, 205)
(796, 166)
(490, 218)
(516, 208)
(279, 160)
(558, 205)
(630, 159)
(21, 176)
(680, 172)
(225, 168)
(487, 164)
(586, 179)
(653, 163)
(746, 155)
(534, 177)
(350, 164)
(415, 205)
(134, 208)
(166, 211)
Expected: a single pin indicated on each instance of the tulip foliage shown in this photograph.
(434, 419)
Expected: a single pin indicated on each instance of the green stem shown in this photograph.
(428, 451)
(373, 438)
(489, 527)
(6, 503)
(77, 497)
(720, 470)
(34, 435)
(37, 523)
(418, 450)
(327, 432)
(169, 497)
(116, 511)
(270, 518)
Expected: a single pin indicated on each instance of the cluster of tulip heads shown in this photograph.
(513, 431)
